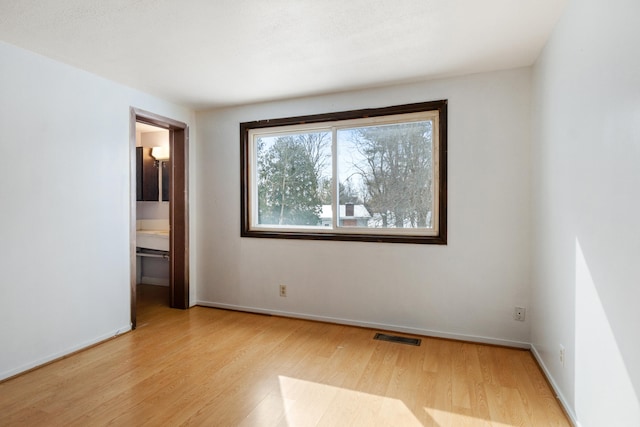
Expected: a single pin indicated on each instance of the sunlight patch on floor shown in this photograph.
(301, 403)
(445, 418)
(306, 403)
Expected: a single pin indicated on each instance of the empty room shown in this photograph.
(297, 212)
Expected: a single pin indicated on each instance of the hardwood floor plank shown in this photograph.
(206, 366)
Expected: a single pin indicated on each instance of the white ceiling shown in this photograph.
(212, 53)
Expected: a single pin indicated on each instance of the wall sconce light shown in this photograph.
(160, 153)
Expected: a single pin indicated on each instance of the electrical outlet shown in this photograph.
(562, 355)
(283, 290)
(518, 313)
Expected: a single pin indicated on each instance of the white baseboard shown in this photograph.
(371, 325)
(39, 362)
(556, 389)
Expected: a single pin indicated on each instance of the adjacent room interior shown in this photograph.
(536, 272)
(152, 164)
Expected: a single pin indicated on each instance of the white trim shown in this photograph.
(370, 325)
(563, 401)
(351, 230)
(332, 127)
(52, 357)
(326, 126)
(335, 177)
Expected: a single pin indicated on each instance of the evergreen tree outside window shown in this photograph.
(288, 179)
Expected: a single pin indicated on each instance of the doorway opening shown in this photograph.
(159, 180)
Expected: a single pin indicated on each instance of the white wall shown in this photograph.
(586, 228)
(64, 221)
(467, 289)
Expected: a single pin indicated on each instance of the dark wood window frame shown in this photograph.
(440, 238)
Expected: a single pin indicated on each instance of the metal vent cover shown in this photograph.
(398, 339)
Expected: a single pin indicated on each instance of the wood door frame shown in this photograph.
(178, 211)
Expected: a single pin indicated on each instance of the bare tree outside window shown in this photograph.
(394, 166)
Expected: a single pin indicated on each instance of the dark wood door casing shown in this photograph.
(179, 209)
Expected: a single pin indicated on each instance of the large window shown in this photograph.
(371, 175)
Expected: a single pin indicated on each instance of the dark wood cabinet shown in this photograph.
(147, 174)
(166, 167)
(139, 174)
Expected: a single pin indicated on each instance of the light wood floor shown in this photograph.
(221, 368)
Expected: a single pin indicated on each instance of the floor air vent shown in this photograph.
(395, 338)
